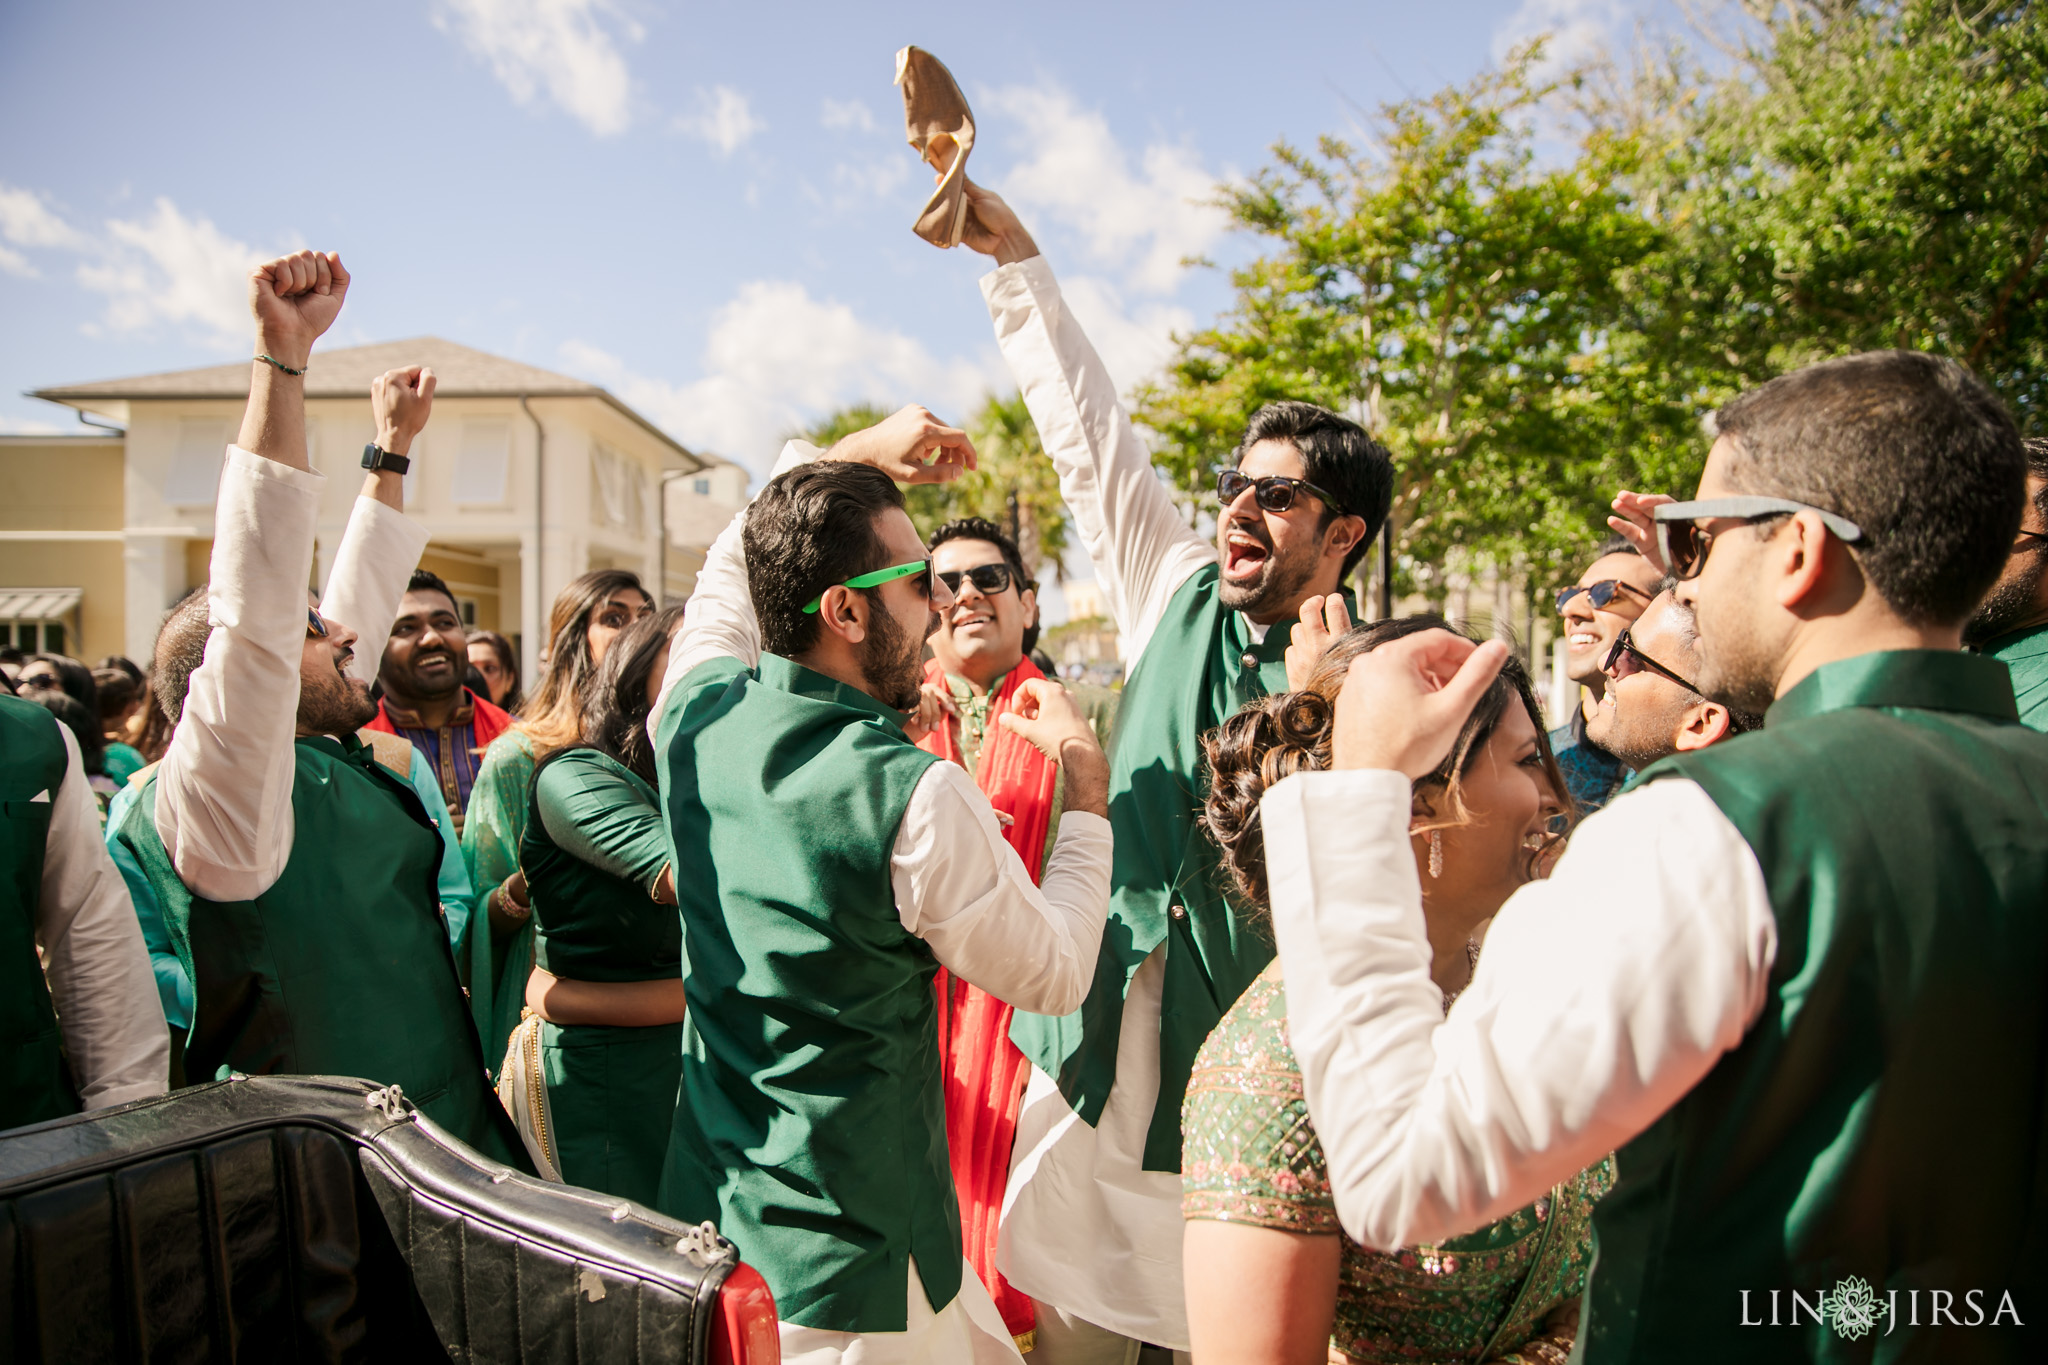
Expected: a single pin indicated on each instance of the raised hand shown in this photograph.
(1632, 520)
(910, 446)
(934, 704)
(993, 227)
(1404, 703)
(1045, 714)
(296, 298)
(1323, 619)
(402, 401)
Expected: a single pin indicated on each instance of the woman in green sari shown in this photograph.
(592, 1071)
(587, 616)
(1271, 1277)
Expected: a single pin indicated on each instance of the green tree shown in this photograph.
(1866, 176)
(1012, 462)
(1461, 298)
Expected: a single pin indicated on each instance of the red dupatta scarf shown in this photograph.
(984, 1071)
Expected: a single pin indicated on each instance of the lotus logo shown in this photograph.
(1852, 1308)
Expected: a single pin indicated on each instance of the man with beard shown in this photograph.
(1610, 594)
(2012, 625)
(1795, 980)
(1648, 709)
(832, 868)
(424, 700)
(295, 867)
(1093, 1228)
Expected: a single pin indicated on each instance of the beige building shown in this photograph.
(524, 478)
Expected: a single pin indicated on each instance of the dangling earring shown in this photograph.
(1436, 853)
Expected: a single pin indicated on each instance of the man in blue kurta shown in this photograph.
(1796, 979)
(828, 867)
(2012, 625)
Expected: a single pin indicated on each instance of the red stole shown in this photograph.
(984, 1071)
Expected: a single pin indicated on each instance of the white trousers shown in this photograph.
(967, 1331)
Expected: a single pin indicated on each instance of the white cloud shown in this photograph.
(171, 269)
(1577, 29)
(846, 114)
(566, 51)
(14, 263)
(723, 119)
(26, 221)
(1139, 220)
(775, 359)
(856, 181)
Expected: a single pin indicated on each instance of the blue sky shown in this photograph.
(704, 207)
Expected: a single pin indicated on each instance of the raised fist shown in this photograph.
(402, 401)
(295, 298)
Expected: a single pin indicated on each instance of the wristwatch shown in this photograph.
(375, 459)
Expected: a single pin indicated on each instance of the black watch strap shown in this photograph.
(375, 459)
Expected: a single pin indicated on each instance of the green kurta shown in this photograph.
(34, 1085)
(343, 966)
(611, 1090)
(491, 830)
(1884, 1117)
(812, 1122)
(1200, 666)
(2025, 653)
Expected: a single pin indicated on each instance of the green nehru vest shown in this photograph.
(1199, 667)
(2025, 653)
(33, 1084)
(1885, 1118)
(343, 966)
(811, 1124)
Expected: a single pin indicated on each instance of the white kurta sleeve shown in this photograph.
(720, 622)
(1605, 993)
(963, 890)
(97, 965)
(378, 552)
(224, 791)
(1141, 547)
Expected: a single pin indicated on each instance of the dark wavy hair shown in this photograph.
(1289, 732)
(615, 698)
(554, 715)
(810, 529)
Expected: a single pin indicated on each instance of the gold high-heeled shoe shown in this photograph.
(941, 127)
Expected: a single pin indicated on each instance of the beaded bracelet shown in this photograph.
(273, 360)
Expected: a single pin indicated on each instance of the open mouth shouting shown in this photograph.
(1245, 551)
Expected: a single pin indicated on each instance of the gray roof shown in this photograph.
(459, 372)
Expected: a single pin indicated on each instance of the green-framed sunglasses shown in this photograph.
(874, 580)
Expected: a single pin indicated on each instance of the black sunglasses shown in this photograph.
(988, 579)
(1685, 543)
(1624, 644)
(1276, 492)
(316, 629)
(1599, 594)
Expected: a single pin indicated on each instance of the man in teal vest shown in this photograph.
(1796, 979)
(78, 1019)
(832, 868)
(1092, 1230)
(2012, 625)
(294, 865)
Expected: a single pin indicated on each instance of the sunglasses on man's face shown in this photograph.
(1275, 493)
(1599, 594)
(988, 579)
(1625, 659)
(1685, 542)
(316, 629)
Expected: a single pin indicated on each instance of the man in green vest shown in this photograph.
(78, 1018)
(832, 868)
(1093, 1227)
(1795, 978)
(295, 867)
(2012, 625)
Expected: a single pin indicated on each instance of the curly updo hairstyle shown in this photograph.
(1289, 732)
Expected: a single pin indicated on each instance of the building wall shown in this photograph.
(60, 527)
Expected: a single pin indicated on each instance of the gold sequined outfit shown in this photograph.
(1252, 1156)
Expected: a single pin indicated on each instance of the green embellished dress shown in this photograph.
(1252, 1157)
(594, 848)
